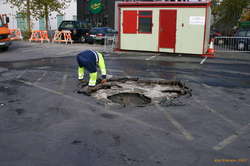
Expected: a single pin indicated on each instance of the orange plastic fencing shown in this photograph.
(16, 34)
(62, 36)
(38, 35)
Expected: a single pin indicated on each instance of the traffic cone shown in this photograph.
(211, 47)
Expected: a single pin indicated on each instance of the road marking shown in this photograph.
(229, 140)
(203, 60)
(64, 79)
(81, 101)
(176, 124)
(20, 75)
(150, 58)
(211, 89)
(40, 78)
(232, 123)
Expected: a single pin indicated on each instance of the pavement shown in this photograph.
(44, 122)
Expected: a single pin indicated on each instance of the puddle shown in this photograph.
(138, 93)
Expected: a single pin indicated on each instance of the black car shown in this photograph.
(242, 39)
(78, 29)
(98, 34)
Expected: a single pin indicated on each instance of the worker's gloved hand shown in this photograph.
(104, 80)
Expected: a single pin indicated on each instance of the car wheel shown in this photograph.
(90, 42)
(4, 48)
(82, 39)
(241, 46)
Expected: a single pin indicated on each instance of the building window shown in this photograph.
(21, 22)
(59, 19)
(42, 24)
(145, 22)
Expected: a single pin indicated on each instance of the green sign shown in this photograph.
(95, 6)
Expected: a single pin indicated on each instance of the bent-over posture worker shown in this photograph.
(89, 60)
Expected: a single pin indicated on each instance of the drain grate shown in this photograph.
(130, 99)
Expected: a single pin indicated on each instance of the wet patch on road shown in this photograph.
(19, 111)
(108, 116)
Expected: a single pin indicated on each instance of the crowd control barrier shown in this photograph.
(62, 36)
(232, 44)
(16, 34)
(38, 35)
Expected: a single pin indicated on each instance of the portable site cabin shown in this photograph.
(173, 27)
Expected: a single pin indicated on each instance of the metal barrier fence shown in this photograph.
(232, 44)
(110, 43)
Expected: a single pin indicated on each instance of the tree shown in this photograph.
(229, 13)
(245, 16)
(24, 9)
(44, 8)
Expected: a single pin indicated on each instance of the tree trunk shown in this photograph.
(46, 17)
(28, 16)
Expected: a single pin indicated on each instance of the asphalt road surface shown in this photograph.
(44, 122)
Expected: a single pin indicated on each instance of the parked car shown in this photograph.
(78, 29)
(98, 34)
(242, 39)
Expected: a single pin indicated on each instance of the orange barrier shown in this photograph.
(38, 35)
(16, 34)
(62, 36)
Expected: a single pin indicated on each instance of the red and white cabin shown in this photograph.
(172, 27)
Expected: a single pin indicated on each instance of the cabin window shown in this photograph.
(145, 22)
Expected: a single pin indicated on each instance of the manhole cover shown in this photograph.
(136, 92)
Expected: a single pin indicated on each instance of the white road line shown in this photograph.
(229, 140)
(176, 124)
(81, 101)
(20, 75)
(40, 78)
(150, 58)
(232, 123)
(203, 60)
(64, 79)
(211, 89)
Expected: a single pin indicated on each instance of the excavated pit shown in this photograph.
(131, 99)
(136, 92)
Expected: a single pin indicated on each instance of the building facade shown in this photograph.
(104, 12)
(18, 22)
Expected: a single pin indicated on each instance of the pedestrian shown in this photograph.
(89, 60)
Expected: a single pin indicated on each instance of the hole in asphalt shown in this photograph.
(135, 92)
(130, 99)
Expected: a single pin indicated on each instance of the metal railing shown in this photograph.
(232, 44)
(110, 43)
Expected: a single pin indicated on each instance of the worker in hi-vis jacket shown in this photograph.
(89, 60)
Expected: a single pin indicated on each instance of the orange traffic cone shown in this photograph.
(211, 47)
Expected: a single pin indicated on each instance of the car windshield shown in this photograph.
(98, 30)
(68, 24)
